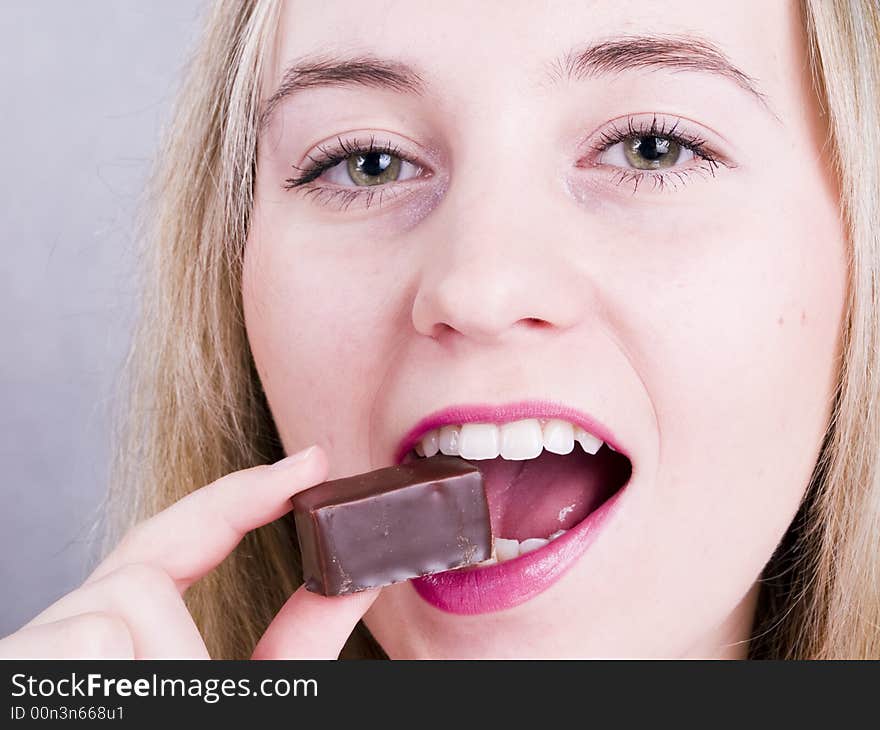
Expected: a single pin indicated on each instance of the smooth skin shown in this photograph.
(131, 606)
(700, 321)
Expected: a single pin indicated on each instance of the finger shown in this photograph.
(146, 599)
(310, 626)
(195, 534)
(87, 636)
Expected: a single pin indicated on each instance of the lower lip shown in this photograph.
(470, 591)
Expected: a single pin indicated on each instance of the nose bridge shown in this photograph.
(499, 255)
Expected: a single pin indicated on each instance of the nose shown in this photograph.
(497, 264)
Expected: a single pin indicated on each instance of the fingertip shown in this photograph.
(300, 457)
(300, 471)
(319, 456)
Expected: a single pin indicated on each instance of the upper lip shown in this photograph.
(505, 413)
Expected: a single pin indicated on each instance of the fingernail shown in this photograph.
(293, 459)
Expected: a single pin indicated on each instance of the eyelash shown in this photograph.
(710, 161)
(333, 155)
(340, 151)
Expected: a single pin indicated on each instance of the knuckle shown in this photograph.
(137, 577)
(101, 634)
(227, 482)
(238, 479)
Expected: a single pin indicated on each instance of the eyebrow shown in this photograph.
(614, 55)
(672, 53)
(329, 71)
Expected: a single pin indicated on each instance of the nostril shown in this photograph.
(536, 322)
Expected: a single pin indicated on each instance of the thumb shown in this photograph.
(311, 626)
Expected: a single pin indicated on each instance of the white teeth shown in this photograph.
(478, 441)
(521, 440)
(589, 442)
(506, 549)
(559, 437)
(448, 440)
(430, 443)
(533, 543)
(515, 441)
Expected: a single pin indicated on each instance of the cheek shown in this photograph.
(737, 339)
(322, 319)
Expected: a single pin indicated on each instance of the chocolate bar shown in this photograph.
(392, 524)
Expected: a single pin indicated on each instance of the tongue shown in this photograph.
(535, 498)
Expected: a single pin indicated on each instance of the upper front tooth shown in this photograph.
(448, 440)
(515, 441)
(506, 549)
(521, 440)
(590, 443)
(558, 436)
(478, 441)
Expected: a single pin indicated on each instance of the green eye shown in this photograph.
(373, 168)
(651, 152)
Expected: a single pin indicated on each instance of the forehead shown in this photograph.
(521, 42)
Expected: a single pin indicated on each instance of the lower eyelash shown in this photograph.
(661, 180)
(327, 195)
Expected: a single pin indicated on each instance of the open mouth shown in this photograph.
(543, 477)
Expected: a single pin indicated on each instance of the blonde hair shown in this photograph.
(191, 407)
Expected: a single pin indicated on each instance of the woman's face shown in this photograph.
(621, 208)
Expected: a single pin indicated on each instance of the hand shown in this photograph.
(132, 605)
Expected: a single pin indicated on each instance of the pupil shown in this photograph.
(653, 148)
(375, 163)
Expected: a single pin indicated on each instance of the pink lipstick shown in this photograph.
(505, 585)
(524, 498)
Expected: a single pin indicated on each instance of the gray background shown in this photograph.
(86, 86)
